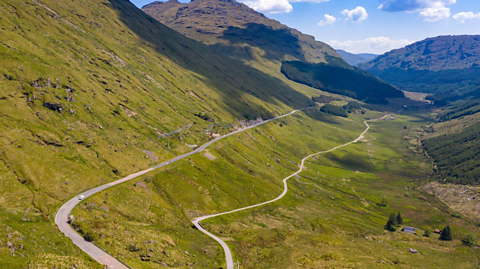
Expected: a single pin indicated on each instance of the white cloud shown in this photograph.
(275, 6)
(328, 19)
(463, 16)
(357, 14)
(377, 45)
(412, 5)
(269, 6)
(435, 14)
(429, 10)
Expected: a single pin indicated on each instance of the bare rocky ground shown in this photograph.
(464, 199)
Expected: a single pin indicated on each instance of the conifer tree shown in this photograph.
(446, 234)
(391, 223)
(399, 219)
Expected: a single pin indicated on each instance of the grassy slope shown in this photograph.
(122, 81)
(334, 224)
(338, 224)
(255, 163)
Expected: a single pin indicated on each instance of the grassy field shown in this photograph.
(331, 217)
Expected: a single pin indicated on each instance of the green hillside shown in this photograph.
(453, 143)
(350, 82)
(94, 90)
(456, 155)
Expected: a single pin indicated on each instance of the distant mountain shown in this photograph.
(243, 33)
(444, 65)
(354, 59)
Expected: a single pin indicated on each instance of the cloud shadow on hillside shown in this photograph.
(215, 69)
(281, 42)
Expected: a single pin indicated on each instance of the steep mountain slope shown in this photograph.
(453, 143)
(456, 154)
(240, 32)
(96, 89)
(354, 59)
(444, 65)
(354, 83)
(234, 27)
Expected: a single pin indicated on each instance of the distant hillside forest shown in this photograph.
(448, 67)
(351, 82)
(457, 155)
(464, 109)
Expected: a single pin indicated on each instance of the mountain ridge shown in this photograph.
(356, 58)
(444, 65)
(221, 22)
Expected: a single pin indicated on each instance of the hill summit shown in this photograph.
(243, 33)
(230, 23)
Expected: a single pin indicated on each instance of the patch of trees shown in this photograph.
(334, 110)
(351, 82)
(204, 116)
(352, 106)
(463, 109)
(323, 99)
(393, 222)
(456, 156)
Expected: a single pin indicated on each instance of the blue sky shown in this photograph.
(373, 26)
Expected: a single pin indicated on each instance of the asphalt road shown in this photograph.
(103, 257)
(228, 253)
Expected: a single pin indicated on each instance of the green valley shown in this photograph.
(119, 126)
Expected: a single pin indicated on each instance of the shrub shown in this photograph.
(384, 201)
(427, 233)
(90, 236)
(468, 241)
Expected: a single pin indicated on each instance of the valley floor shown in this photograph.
(333, 215)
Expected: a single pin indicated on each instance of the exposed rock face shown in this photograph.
(53, 106)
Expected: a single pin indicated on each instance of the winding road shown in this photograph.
(228, 252)
(111, 262)
(93, 250)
